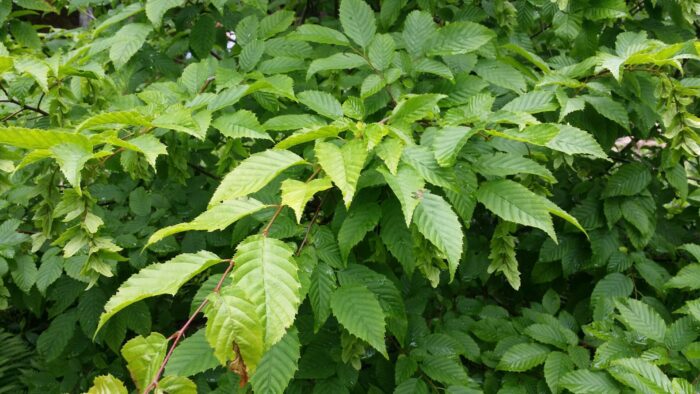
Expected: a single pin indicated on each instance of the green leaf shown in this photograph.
(268, 274)
(107, 384)
(157, 279)
(358, 311)
(232, 317)
(143, 357)
(322, 103)
(653, 377)
(323, 284)
(430, 66)
(293, 122)
(35, 68)
(504, 164)
(338, 61)
(501, 74)
(502, 254)
(278, 365)
(50, 270)
(418, 29)
(687, 278)
(693, 249)
(584, 381)
(360, 220)
(275, 23)
(71, 158)
(457, 38)
(37, 138)
(532, 102)
(177, 385)
(250, 55)
(253, 173)
(555, 335)
(358, 22)
(436, 220)
(202, 36)
(610, 109)
(448, 142)
(574, 141)
(629, 180)
(642, 318)
(412, 386)
(128, 40)
(295, 194)
(515, 203)
(308, 135)
(55, 339)
(406, 185)
(240, 124)
(396, 236)
(556, 366)
(343, 165)
(227, 98)
(381, 51)
(445, 370)
(415, 108)
(128, 118)
(155, 9)
(150, 146)
(192, 356)
(424, 162)
(523, 356)
(320, 34)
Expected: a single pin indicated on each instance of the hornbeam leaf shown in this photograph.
(216, 218)
(574, 141)
(71, 158)
(322, 103)
(37, 138)
(515, 203)
(233, 318)
(127, 41)
(448, 142)
(157, 279)
(360, 220)
(415, 108)
(406, 185)
(253, 173)
(295, 194)
(129, 118)
(278, 365)
(155, 9)
(343, 165)
(143, 357)
(458, 37)
(523, 356)
(177, 385)
(268, 274)
(556, 365)
(320, 34)
(107, 384)
(192, 356)
(338, 61)
(323, 283)
(584, 381)
(504, 164)
(357, 19)
(358, 311)
(642, 318)
(436, 220)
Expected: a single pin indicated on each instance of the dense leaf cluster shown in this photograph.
(405, 196)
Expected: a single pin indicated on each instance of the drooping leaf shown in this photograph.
(128, 40)
(358, 311)
(143, 356)
(436, 220)
(278, 365)
(523, 356)
(343, 165)
(295, 194)
(358, 22)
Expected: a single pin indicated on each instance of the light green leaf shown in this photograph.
(192, 356)
(232, 317)
(642, 318)
(267, 273)
(407, 186)
(127, 41)
(504, 164)
(358, 311)
(501, 74)
(143, 357)
(253, 173)
(275, 23)
(293, 122)
(583, 381)
(418, 29)
(360, 220)
(415, 108)
(572, 140)
(35, 68)
(295, 194)
(38, 139)
(181, 119)
(150, 146)
(71, 157)
(390, 151)
(556, 365)
(687, 278)
(157, 279)
(532, 102)
(322, 103)
(228, 97)
(445, 370)
(430, 66)
(308, 135)
(338, 61)
(523, 356)
(515, 203)
(278, 365)
(629, 180)
(107, 384)
(240, 124)
(381, 51)
(457, 38)
(448, 141)
(320, 34)
(177, 385)
(357, 19)
(424, 162)
(155, 9)
(128, 118)
(436, 220)
(216, 218)
(343, 165)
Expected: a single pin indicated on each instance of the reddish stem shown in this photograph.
(177, 336)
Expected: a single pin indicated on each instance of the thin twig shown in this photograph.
(311, 224)
(206, 84)
(12, 115)
(24, 106)
(203, 171)
(177, 336)
(266, 230)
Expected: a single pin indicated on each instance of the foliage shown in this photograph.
(387, 196)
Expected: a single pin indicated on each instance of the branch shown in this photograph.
(266, 230)
(311, 224)
(24, 106)
(177, 336)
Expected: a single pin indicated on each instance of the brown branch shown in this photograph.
(24, 106)
(12, 115)
(177, 336)
(311, 224)
(206, 84)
